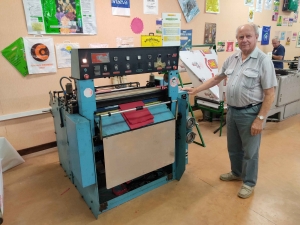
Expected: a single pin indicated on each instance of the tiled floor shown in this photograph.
(38, 192)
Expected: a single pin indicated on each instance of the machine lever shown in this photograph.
(139, 107)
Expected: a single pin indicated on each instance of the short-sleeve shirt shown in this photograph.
(280, 50)
(248, 79)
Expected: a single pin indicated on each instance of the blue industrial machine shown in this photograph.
(107, 159)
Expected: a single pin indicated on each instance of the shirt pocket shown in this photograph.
(228, 72)
(250, 77)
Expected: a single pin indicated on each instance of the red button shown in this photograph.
(86, 76)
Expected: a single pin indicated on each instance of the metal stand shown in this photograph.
(219, 110)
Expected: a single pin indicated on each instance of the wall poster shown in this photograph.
(210, 33)
(212, 6)
(186, 40)
(171, 27)
(189, 8)
(298, 41)
(40, 55)
(60, 16)
(265, 35)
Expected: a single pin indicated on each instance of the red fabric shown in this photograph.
(136, 119)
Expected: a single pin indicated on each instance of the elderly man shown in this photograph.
(250, 93)
(277, 53)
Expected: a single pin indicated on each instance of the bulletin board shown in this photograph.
(19, 94)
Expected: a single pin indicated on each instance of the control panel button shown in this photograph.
(128, 66)
(127, 57)
(139, 57)
(105, 68)
(97, 70)
(115, 58)
(116, 67)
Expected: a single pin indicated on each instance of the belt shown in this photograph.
(244, 107)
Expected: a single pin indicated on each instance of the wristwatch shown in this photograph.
(260, 117)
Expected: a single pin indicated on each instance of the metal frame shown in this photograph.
(220, 109)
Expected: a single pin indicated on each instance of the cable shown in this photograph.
(61, 84)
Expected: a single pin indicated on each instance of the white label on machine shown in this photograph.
(88, 92)
(173, 82)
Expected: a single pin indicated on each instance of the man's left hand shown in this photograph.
(256, 127)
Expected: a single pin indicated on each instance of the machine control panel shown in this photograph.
(92, 63)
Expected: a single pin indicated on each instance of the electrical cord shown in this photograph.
(62, 86)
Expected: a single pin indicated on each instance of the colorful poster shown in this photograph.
(40, 55)
(60, 16)
(288, 38)
(282, 35)
(158, 26)
(268, 4)
(298, 41)
(186, 40)
(249, 2)
(15, 54)
(63, 53)
(279, 21)
(259, 4)
(212, 6)
(285, 21)
(251, 15)
(151, 7)
(275, 16)
(221, 46)
(189, 8)
(210, 33)
(265, 35)
(120, 8)
(229, 46)
(171, 27)
(260, 34)
(276, 6)
(237, 48)
(294, 37)
(296, 16)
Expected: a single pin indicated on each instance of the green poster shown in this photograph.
(60, 16)
(15, 54)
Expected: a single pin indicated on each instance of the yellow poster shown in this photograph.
(151, 40)
(212, 6)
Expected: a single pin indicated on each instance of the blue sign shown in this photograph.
(120, 3)
(265, 35)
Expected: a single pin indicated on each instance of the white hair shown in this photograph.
(254, 26)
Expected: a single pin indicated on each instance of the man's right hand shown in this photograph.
(190, 90)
